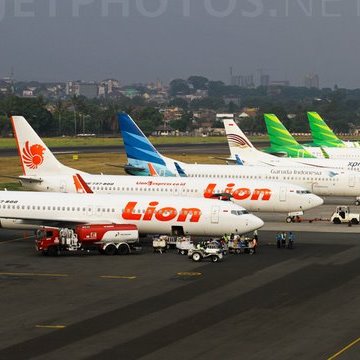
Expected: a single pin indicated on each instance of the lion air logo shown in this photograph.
(238, 141)
(33, 156)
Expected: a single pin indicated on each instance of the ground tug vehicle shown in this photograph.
(108, 239)
(342, 215)
(209, 250)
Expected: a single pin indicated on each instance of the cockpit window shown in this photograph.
(239, 212)
(303, 192)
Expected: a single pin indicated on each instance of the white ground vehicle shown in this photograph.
(160, 244)
(342, 214)
(184, 244)
(211, 251)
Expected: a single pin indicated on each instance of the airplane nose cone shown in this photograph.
(255, 223)
(317, 201)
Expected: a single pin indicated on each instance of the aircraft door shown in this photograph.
(215, 211)
(63, 186)
(352, 180)
(283, 194)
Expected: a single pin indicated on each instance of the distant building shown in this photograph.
(264, 80)
(205, 115)
(29, 93)
(246, 81)
(276, 87)
(5, 87)
(280, 83)
(171, 114)
(78, 88)
(312, 81)
(89, 90)
(164, 130)
(250, 112)
(130, 92)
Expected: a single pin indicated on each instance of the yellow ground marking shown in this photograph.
(32, 274)
(189, 273)
(118, 277)
(347, 347)
(50, 326)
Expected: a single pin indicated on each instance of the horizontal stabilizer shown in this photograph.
(133, 170)
(81, 185)
(24, 178)
(152, 170)
(230, 160)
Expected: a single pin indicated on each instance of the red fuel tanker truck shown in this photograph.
(109, 239)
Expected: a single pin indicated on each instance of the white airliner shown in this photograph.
(241, 149)
(320, 181)
(43, 172)
(151, 214)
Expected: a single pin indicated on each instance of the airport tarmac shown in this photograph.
(277, 304)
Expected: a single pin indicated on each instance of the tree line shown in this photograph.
(339, 107)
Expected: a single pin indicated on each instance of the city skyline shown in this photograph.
(142, 41)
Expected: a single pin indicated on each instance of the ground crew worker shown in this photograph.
(278, 240)
(291, 240)
(253, 246)
(283, 239)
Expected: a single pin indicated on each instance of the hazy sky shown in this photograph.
(143, 40)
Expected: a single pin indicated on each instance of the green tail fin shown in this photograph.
(321, 133)
(281, 140)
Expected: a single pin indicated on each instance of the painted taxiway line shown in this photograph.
(14, 274)
(347, 347)
(57, 327)
(189, 274)
(32, 274)
(114, 277)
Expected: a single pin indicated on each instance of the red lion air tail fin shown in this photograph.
(36, 158)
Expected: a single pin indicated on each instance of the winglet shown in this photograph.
(81, 186)
(179, 169)
(152, 170)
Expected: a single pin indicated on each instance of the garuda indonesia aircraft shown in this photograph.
(43, 172)
(320, 181)
(283, 143)
(241, 148)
